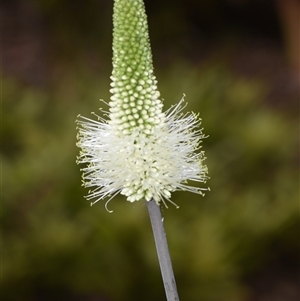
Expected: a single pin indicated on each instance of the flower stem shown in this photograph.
(162, 251)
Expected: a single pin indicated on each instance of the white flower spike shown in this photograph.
(139, 151)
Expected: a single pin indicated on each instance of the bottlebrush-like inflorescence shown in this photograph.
(139, 151)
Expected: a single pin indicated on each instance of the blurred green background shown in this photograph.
(238, 63)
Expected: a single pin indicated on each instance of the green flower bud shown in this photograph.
(135, 101)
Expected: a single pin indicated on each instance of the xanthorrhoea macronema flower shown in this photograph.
(139, 151)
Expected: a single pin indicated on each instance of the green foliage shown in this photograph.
(57, 247)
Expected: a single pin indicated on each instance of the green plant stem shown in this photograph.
(162, 251)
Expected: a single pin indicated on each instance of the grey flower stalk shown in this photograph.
(162, 251)
(140, 151)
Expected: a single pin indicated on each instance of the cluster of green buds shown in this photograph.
(135, 102)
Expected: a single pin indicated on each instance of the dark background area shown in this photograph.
(238, 63)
